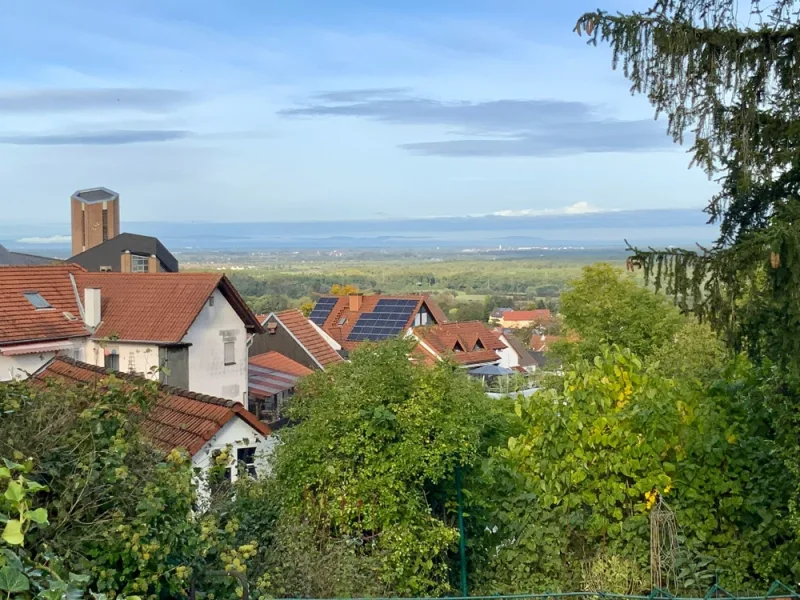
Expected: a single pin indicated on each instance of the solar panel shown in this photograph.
(387, 320)
(322, 309)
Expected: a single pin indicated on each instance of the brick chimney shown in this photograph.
(355, 302)
(91, 307)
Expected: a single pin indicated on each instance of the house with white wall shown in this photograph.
(189, 330)
(202, 425)
(40, 316)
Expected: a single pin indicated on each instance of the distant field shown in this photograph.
(281, 280)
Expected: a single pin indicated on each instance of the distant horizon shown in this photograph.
(588, 229)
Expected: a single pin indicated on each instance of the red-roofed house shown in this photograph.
(272, 380)
(525, 318)
(40, 316)
(202, 425)
(471, 344)
(294, 336)
(189, 330)
(350, 320)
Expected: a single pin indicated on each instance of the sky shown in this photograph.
(279, 110)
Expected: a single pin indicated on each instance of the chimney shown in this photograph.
(355, 302)
(91, 309)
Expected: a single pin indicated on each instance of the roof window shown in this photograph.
(35, 298)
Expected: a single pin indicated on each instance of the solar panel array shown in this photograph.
(322, 309)
(387, 320)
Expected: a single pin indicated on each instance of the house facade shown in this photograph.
(190, 330)
(40, 317)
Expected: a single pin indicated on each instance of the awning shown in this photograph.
(491, 370)
(37, 348)
(264, 382)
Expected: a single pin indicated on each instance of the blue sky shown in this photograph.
(330, 109)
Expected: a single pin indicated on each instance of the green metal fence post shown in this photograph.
(462, 545)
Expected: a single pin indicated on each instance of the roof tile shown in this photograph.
(21, 322)
(308, 336)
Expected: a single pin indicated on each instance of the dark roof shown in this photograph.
(109, 253)
(179, 418)
(20, 259)
(99, 194)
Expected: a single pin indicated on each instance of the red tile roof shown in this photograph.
(278, 362)
(21, 322)
(459, 340)
(305, 333)
(341, 313)
(541, 315)
(158, 307)
(179, 418)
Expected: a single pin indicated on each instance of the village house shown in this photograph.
(350, 320)
(294, 336)
(189, 330)
(40, 316)
(202, 425)
(471, 344)
(518, 319)
(128, 253)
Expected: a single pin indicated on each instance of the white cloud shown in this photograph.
(53, 239)
(579, 208)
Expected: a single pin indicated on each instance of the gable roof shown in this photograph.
(158, 307)
(179, 418)
(21, 322)
(109, 253)
(20, 259)
(307, 336)
(272, 372)
(540, 315)
(439, 342)
(341, 319)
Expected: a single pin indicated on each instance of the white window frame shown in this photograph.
(137, 266)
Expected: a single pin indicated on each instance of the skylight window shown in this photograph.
(36, 299)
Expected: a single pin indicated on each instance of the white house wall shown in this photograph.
(508, 356)
(133, 358)
(23, 365)
(238, 434)
(208, 373)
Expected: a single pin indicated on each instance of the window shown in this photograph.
(211, 300)
(138, 264)
(478, 346)
(105, 224)
(230, 353)
(36, 299)
(112, 361)
(342, 321)
(458, 347)
(246, 457)
(105, 269)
